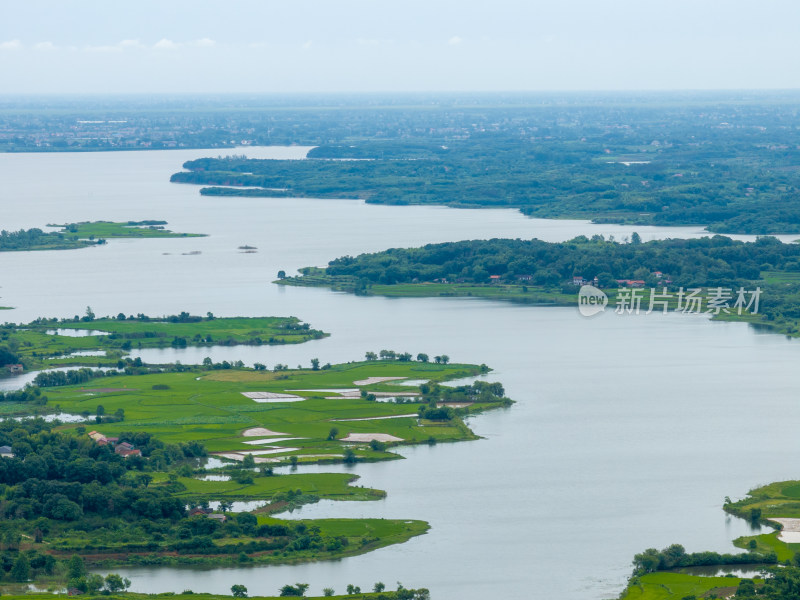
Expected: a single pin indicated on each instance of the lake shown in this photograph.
(627, 433)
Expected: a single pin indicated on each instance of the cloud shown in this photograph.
(165, 44)
(204, 43)
(130, 44)
(454, 41)
(308, 45)
(45, 46)
(11, 45)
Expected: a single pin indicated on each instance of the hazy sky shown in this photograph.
(150, 46)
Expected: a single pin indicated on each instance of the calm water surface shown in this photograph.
(627, 433)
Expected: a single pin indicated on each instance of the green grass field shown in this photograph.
(780, 499)
(331, 486)
(676, 586)
(129, 229)
(209, 407)
(769, 542)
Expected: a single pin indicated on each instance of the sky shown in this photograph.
(262, 46)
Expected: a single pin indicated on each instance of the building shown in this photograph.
(125, 449)
(98, 437)
(634, 283)
(494, 278)
(15, 369)
(217, 517)
(5, 452)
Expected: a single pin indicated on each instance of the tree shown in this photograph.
(281, 274)
(298, 589)
(75, 567)
(421, 357)
(349, 456)
(239, 591)
(315, 364)
(89, 314)
(100, 410)
(445, 359)
(371, 356)
(353, 589)
(21, 571)
(636, 238)
(248, 462)
(327, 592)
(333, 433)
(378, 587)
(116, 583)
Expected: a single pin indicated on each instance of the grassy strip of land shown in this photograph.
(307, 412)
(83, 234)
(52, 342)
(677, 586)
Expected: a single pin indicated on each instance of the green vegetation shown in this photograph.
(83, 234)
(730, 189)
(211, 407)
(65, 494)
(543, 273)
(47, 343)
(677, 586)
(780, 499)
(128, 492)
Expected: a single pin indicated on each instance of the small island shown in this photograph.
(84, 234)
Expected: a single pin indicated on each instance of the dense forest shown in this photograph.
(708, 261)
(502, 264)
(732, 167)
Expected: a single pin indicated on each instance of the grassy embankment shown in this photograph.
(38, 349)
(211, 408)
